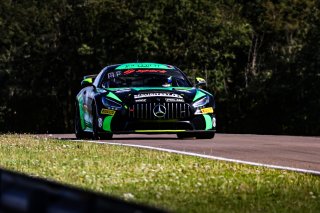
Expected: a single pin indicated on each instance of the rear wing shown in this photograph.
(90, 76)
(88, 80)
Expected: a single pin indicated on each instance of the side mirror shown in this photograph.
(200, 82)
(86, 82)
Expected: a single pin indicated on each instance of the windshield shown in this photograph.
(145, 78)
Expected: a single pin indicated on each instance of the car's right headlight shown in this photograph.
(111, 104)
(201, 102)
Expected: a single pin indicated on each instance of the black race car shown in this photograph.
(143, 98)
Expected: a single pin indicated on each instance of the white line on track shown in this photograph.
(314, 172)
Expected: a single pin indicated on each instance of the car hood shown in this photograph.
(129, 95)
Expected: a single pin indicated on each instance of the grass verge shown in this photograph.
(174, 182)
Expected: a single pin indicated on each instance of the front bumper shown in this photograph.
(121, 124)
(162, 131)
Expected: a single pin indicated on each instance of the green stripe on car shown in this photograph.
(199, 95)
(113, 96)
(208, 120)
(107, 123)
(144, 66)
(81, 113)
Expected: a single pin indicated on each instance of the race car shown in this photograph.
(145, 98)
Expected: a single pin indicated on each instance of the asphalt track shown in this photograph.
(285, 151)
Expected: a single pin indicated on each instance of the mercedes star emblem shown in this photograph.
(159, 111)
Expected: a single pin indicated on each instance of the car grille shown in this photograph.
(173, 111)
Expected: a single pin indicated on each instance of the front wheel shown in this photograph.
(105, 136)
(183, 135)
(205, 135)
(80, 134)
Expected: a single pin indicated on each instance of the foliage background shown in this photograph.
(261, 57)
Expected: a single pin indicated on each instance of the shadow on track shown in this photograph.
(127, 139)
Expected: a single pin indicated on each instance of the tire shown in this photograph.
(105, 136)
(95, 134)
(205, 135)
(183, 135)
(80, 134)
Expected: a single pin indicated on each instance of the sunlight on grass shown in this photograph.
(175, 182)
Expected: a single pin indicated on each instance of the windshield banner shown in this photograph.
(157, 94)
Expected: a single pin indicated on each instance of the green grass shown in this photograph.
(170, 181)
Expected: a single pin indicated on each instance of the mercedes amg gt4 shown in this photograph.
(143, 98)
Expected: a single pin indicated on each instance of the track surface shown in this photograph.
(289, 151)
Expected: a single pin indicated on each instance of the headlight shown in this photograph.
(107, 102)
(201, 102)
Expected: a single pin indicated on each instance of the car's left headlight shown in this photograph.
(109, 103)
(202, 102)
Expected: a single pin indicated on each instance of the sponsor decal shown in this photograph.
(214, 122)
(114, 74)
(141, 100)
(151, 71)
(108, 112)
(100, 122)
(207, 110)
(174, 100)
(157, 94)
(128, 72)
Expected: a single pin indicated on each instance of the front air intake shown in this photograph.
(164, 111)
